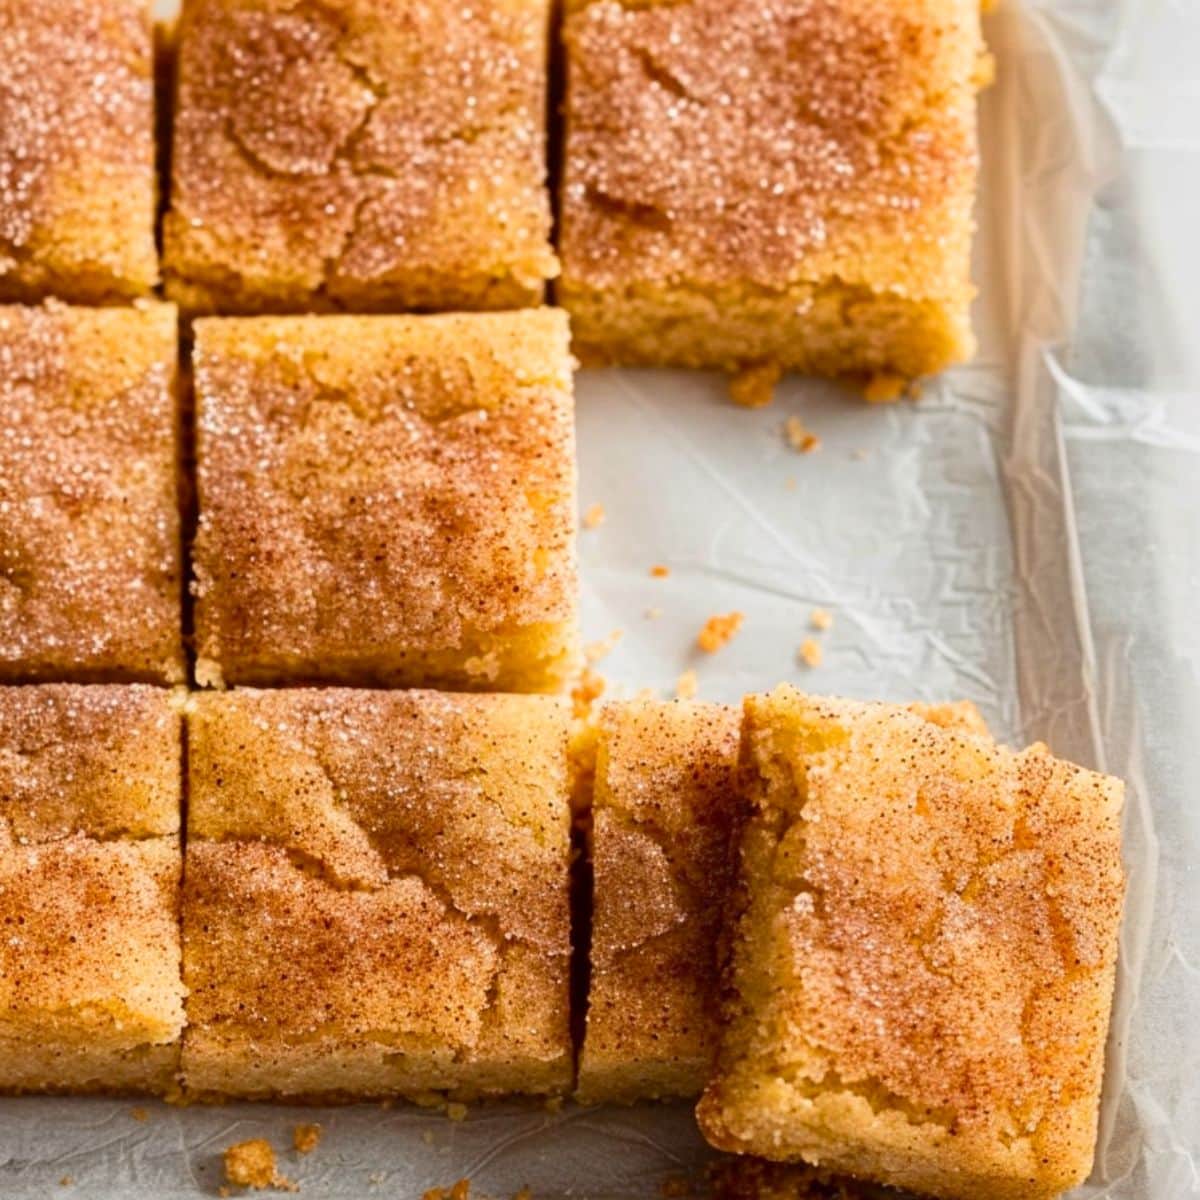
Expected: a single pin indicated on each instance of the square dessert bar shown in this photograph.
(90, 571)
(922, 971)
(664, 811)
(91, 997)
(376, 895)
(771, 182)
(78, 189)
(367, 155)
(386, 500)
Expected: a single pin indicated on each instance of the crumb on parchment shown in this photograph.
(754, 387)
(676, 1185)
(456, 1111)
(800, 437)
(593, 652)
(652, 614)
(658, 571)
(810, 652)
(140, 1114)
(251, 1164)
(587, 690)
(718, 630)
(821, 618)
(305, 1138)
(457, 1191)
(687, 685)
(594, 517)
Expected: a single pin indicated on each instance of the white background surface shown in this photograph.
(1028, 535)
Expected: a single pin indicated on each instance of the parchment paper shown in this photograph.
(1027, 535)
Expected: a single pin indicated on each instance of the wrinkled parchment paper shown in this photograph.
(1027, 535)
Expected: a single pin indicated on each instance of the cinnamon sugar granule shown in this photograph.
(658, 571)
(251, 1164)
(754, 387)
(586, 692)
(687, 685)
(594, 517)
(884, 388)
(305, 1138)
(718, 630)
(799, 436)
(810, 652)
(821, 618)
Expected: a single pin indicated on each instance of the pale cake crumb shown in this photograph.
(456, 1112)
(884, 388)
(687, 685)
(718, 630)
(305, 1138)
(594, 517)
(799, 436)
(821, 618)
(810, 653)
(251, 1164)
(587, 691)
(593, 652)
(754, 387)
(658, 571)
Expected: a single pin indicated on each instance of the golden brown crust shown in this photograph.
(90, 990)
(359, 154)
(387, 500)
(664, 811)
(990, 909)
(90, 574)
(405, 854)
(77, 177)
(787, 181)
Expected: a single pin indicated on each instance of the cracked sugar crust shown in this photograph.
(772, 142)
(102, 761)
(406, 854)
(359, 154)
(664, 812)
(90, 573)
(783, 182)
(387, 500)
(989, 907)
(77, 157)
